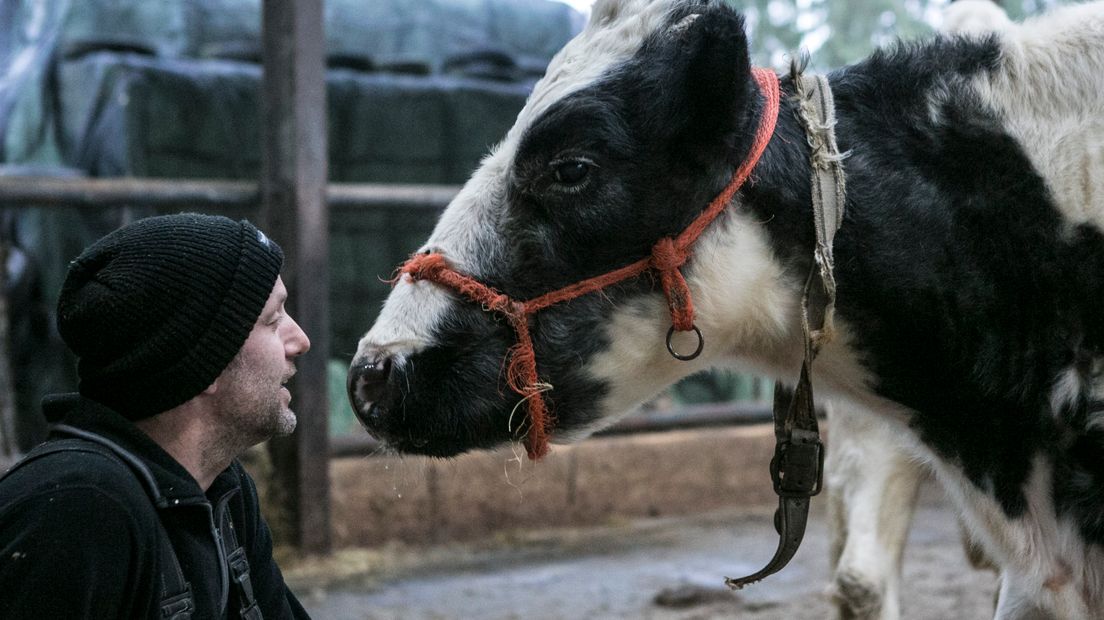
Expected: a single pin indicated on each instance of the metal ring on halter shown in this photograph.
(679, 356)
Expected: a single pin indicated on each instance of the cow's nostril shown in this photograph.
(367, 382)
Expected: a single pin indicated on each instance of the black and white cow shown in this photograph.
(970, 263)
(873, 480)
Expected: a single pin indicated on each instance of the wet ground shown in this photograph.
(656, 569)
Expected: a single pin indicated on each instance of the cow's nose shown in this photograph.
(367, 382)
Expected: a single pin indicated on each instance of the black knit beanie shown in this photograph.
(157, 309)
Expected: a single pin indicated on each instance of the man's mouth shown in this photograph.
(284, 384)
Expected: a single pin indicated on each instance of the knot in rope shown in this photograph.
(505, 305)
(425, 266)
(667, 255)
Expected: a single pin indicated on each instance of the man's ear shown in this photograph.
(706, 72)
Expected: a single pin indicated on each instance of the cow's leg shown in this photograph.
(1015, 601)
(872, 487)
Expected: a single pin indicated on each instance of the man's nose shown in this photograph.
(298, 343)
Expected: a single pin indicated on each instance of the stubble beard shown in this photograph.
(264, 416)
(257, 412)
(285, 421)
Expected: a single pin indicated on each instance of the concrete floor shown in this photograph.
(670, 568)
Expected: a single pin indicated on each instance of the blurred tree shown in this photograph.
(839, 32)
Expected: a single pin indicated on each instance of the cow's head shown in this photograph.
(638, 123)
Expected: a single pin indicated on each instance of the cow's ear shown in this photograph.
(708, 71)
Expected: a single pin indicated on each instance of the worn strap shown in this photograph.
(796, 470)
(817, 113)
(177, 602)
(238, 564)
(798, 464)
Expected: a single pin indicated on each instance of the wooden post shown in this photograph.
(295, 213)
(9, 443)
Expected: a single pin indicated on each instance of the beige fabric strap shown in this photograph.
(816, 111)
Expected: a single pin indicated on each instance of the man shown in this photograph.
(136, 506)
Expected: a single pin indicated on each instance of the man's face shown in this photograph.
(255, 401)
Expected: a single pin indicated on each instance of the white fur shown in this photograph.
(1067, 389)
(741, 306)
(1096, 392)
(1049, 98)
(614, 33)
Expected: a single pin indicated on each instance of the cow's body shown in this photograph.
(873, 483)
(970, 263)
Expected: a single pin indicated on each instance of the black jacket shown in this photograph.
(80, 538)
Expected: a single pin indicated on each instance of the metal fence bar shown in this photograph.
(29, 191)
(358, 195)
(691, 417)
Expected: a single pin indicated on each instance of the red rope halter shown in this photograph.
(668, 255)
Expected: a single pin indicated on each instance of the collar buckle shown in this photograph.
(797, 468)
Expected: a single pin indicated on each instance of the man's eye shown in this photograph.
(571, 172)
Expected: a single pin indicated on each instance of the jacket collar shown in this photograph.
(165, 479)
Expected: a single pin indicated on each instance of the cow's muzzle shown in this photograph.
(368, 386)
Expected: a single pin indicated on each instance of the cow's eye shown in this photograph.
(571, 172)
